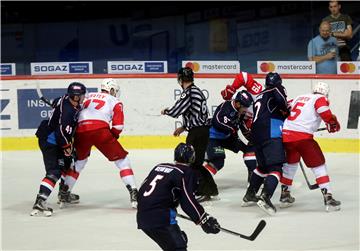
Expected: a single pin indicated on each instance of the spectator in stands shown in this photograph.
(323, 50)
(340, 29)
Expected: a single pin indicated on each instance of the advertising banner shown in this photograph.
(32, 110)
(199, 66)
(348, 67)
(8, 69)
(126, 67)
(56, 68)
(288, 67)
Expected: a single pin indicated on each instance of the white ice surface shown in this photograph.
(104, 221)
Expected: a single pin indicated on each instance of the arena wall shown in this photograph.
(144, 96)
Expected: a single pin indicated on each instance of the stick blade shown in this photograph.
(257, 230)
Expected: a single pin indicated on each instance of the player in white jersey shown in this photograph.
(100, 124)
(307, 111)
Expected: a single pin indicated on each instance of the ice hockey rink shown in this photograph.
(104, 220)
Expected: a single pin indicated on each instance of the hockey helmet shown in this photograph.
(322, 88)
(185, 74)
(76, 89)
(272, 79)
(244, 98)
(184, 153)
(109, 84)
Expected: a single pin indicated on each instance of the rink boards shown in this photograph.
(144, 96)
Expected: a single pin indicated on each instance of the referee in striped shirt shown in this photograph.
(193, 108)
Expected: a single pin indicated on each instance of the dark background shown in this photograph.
(104, 31)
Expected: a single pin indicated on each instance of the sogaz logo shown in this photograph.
(127, 67)
(51, 68)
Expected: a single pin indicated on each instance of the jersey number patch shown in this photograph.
(153, 184)
(296, 110)
(100, 103)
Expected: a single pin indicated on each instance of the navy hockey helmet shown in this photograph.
(244, 98)
(185, 74)
(76, 89)
(272, 79)
(184, 153)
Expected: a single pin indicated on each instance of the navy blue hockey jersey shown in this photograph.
(225, 121)
(60, 128)
(268, 116)
(167, 186)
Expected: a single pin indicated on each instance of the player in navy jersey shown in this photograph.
(56, 142)
(227, 120)
(167, 186)
(270, 111)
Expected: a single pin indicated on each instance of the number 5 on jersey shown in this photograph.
(297, 110)
(153, 184)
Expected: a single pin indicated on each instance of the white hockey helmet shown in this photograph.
(109, 84)
(322, 88)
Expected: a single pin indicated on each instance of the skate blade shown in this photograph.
(248, 204)
(37, 212)
(285, 204)
(332, 208)
(265, 208)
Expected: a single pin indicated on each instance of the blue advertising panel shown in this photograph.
(32, 110)
(7, 69)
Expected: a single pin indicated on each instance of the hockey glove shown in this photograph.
(115, 132)
(333, 125)
(209, 224)
(228, 92)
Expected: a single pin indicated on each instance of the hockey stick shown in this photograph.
(45, 100)
(251, 237)
(311, 187)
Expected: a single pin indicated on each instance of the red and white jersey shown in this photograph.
(246, 80)
(101, 110)
(307, 111)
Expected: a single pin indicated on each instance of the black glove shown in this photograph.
(210, 225)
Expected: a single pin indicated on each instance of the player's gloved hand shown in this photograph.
(209, 224)
(68, 149)
(115, 132)
(228, 92)
(333, 125)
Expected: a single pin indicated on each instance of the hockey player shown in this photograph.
(167, 186)
(55, 141)
(193, 108)
(100, 124)
(306, 114)
(269, 109)
(227, 119)
(243, 79)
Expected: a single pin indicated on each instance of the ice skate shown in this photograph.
(204, 198)
(330, 203)
(66, 197)
(133, 196)
(265, 204)
(249, 199)
(40, 208)
(286, 200)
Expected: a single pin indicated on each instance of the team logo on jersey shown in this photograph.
(183, 96)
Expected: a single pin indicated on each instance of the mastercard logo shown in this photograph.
(267, 67)
(347, 67)
(193, 65)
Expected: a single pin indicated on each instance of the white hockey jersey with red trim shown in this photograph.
(101, 110)
(307, 111)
